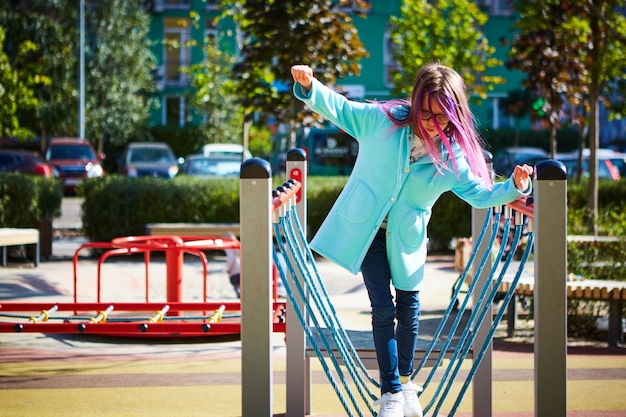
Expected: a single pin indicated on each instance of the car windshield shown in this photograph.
(218, 167)
(70, 152)
(150, 155)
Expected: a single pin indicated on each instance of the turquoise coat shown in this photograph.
(383, 182)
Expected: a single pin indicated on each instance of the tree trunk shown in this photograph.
(594, 134)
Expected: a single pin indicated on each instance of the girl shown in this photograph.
(410, 152)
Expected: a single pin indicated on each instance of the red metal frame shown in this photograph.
(152, 325)
(155, 323)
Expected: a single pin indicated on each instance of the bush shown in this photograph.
(26, 199)
(118, 206)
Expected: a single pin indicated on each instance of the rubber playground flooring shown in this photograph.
(73, 376)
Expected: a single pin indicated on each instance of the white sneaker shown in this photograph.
(412, 406)
(391, 405)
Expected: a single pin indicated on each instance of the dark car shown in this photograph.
(76, 160)
(26, 162)
(149, 159)
(212, 167)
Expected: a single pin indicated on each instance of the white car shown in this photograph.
(226, 150)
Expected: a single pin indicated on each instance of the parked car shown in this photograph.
(212, 166)
(505, 160)
(76, 160)
(606, 168)
(618, 159)
(226, 149)
(26, 162)
(148, 159)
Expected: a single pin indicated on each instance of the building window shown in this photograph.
(501, 7)
(212, 4)
(176, 51)
(175, 111)
(210, 33)
(390, 64)
(177, 4)
(497, 116)
(354, 6)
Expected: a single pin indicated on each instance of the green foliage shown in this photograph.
(118, 70)
(117, 67)
(322, 193)
(213, 96)
(451, 217)
(574, 55)
(51, 27)
(15, 95)
(118, 206)
(260, 143)
(25, 199)
(184, 140)
(278, 34)
(449, 32)
(542, 44)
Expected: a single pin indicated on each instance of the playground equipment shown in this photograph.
(319, 334)
(172, 318)
(264, 213)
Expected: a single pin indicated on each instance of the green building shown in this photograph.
(171, 21)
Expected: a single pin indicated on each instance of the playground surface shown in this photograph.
(79, 375)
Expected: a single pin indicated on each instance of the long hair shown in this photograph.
(443, 84)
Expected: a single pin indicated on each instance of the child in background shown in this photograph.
(233, 265)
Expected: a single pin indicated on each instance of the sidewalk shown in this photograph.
(67, 375)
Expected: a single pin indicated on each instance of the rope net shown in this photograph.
(453, 341)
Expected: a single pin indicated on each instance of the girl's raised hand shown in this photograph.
(302, 74)
(522, 176)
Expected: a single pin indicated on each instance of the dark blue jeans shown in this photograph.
(395, 345)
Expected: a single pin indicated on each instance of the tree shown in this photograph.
(276, 35)
(517, 104)
(445, 31)
(15, 94)
(118, 72)
(575, 52)
(51, 61)
(562, 73)
(213, 93)
(118, 65)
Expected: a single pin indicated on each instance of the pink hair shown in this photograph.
(435, 81)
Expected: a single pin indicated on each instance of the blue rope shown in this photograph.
(477, 316)
(330, 307)
(463, 306)
(306, 327)
(324, 306)
(497, 319)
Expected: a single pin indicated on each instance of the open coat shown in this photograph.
(384, 182)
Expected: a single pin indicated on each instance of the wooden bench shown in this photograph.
(14, 237)
(613, 292)
(192, 229)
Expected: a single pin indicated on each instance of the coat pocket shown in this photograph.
(412, 230)
(359, 204)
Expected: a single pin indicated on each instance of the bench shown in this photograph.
(192, 229)
(14, 237)
(613, 292)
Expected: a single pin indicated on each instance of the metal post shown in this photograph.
(482, 394)
(550, 292)
(174, 259)
(81, 73)
(298, 365)
(256, 292)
